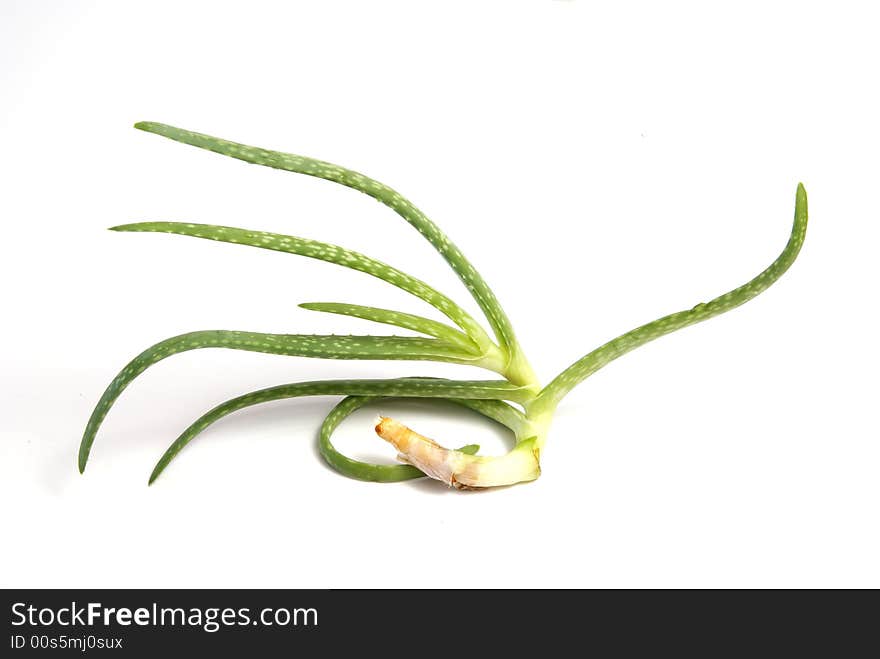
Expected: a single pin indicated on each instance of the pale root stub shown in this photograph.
(455, 468)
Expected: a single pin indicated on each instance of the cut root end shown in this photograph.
(455, 468)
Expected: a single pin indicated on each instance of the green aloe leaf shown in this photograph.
(323, 252)
(365, 471)
(398, 319)
(397, 388)
(348, 466)
(469, 276)
(593, 361)
(326, 347)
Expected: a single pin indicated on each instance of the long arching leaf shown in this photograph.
(593, 361)
(469, 276)
(398, 319)
(330, 253)
(326, 347)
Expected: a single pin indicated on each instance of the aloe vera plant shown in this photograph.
(517, 401)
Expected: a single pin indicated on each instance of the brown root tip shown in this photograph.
(380, 422)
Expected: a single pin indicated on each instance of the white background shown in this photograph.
(601, 165)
